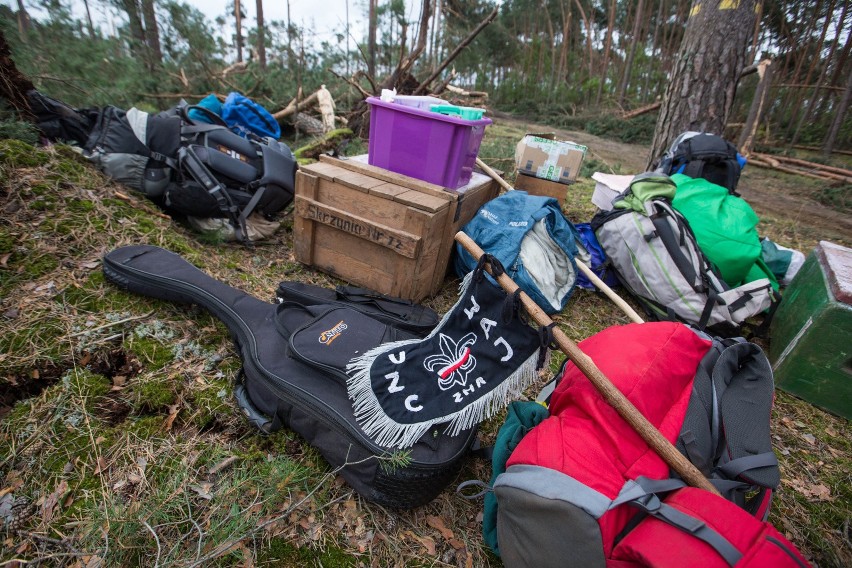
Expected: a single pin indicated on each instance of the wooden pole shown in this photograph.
(593, 278)
(614, 397)
(609, 292)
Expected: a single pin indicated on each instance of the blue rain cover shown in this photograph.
(211, 103)
(598, 259)
(499, 227)
(244, 115)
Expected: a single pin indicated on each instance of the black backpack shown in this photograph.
(193, 168)
(57, 121)
(700, 155)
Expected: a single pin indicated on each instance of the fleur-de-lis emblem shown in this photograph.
(454, 362)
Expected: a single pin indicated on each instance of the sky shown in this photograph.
(322, 17)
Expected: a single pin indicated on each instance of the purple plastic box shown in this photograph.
(422, 144)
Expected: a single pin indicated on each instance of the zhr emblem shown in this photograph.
(454, 362)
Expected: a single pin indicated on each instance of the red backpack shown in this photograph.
(583, 489)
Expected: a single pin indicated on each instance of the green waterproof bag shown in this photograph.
(725, 227)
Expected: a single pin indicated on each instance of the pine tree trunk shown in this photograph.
(89, 24)
(551, 38)
(652, 64)
(816, 101)
(586, 24)
(798, 117)
(371, 39)
(563, 48)
(607, 48)
(839, 116)
(137, 32)
(701, 91)
(261, 36)
(152, 33)
(23, 21)
(793, 99)
(628, 64)
(238, 14)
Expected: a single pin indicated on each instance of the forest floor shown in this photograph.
(120, 443)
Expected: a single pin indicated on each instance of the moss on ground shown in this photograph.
(153, 392)
(19, 154)
(211, 402)
(282, 552)
(151, 351)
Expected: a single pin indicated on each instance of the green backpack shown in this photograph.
(725, 227)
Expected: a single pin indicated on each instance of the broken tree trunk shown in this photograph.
(465, 42)
(406, 62)
(294, 107)
(331, 142)
(758, 104)
(307, 124)
(326, 107)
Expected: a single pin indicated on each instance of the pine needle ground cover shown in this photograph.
(120, 443)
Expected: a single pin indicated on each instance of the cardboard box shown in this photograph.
(538, 186)
(542, 156)
(379, 229)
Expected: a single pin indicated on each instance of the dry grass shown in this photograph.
(120, 444)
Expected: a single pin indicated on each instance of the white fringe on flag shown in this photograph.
(389, 433)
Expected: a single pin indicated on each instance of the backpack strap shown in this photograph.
(652, 505)
(200, 173)
(763, 329)
(642, 493)
(667, 236)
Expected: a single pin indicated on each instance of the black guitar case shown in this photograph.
(294, 356)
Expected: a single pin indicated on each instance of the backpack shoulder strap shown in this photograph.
(200, 173)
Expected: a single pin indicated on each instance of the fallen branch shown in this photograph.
(818, 149)
(464, 43)
(775, 165)
(802, 86)
(110, 324)
(235, 68)
(642, 110)
(361, 73)
(465, 93)
(443, 86)
(831, 169)
(294, 107)
(360, 89)
(814, 170)
(177, 95)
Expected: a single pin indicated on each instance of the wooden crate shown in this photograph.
(379, 229)
(538, 186)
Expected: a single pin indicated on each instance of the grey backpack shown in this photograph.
(656, 257)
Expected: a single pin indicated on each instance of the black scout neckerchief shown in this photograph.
(479, 356)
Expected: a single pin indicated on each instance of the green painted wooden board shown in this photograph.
(811, 337)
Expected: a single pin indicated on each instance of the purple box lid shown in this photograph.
(426, 113)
